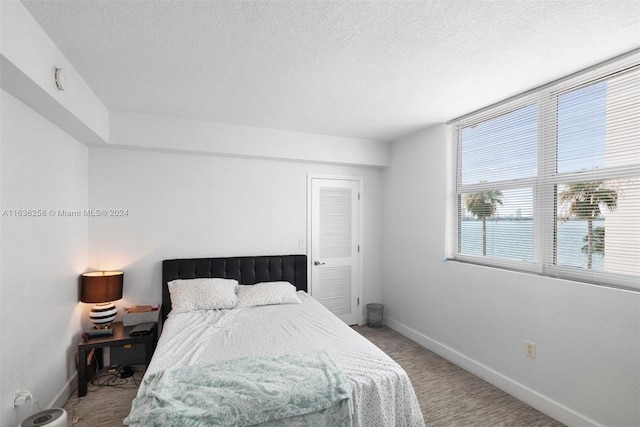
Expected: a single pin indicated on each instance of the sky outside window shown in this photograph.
(505, 147)
(501, 148)
(582, 115)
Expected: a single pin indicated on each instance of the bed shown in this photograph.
(375, 390)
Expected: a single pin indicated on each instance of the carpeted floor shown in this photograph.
(104, 405)
(449, 396)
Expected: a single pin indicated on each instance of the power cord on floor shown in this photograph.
(125, 377)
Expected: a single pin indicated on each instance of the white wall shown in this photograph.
(587, 369)
(197, 136)
(42, 168)
(190, 205)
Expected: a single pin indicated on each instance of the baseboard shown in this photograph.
(62, 397)
(520, 391)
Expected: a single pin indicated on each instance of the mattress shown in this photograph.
(382, 394)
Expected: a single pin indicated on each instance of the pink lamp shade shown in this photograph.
(102, 288)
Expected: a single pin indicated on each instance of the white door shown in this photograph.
(335, 246)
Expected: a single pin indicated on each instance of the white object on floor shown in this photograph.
(54, 417)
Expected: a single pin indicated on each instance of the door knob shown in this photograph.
(318, 263)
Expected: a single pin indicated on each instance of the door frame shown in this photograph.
(359, 258)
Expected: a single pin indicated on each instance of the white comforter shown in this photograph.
(382, 392)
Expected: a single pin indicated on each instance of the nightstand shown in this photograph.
(120, 337)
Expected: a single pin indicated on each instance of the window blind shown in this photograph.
(549, 182)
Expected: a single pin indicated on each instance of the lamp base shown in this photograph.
(102, 315)
(102, 327)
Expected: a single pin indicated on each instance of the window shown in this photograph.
(549, 182)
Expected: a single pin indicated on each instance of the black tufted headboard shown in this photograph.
(247, 270)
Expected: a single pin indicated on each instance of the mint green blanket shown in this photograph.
(305, 389)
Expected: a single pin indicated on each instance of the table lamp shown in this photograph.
(102, 288)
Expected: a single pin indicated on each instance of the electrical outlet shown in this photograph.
(530, 349)
(20, 397)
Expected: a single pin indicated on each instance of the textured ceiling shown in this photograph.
(376, 70)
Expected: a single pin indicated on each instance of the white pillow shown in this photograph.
(202, 294)
(267, 293)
